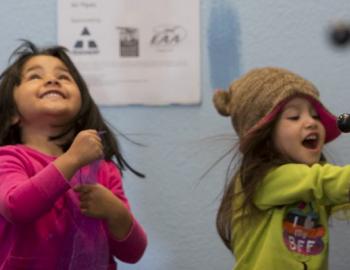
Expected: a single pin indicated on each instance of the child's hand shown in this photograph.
(99, 202)
(86, 147)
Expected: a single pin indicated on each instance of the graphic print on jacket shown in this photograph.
(302, 232)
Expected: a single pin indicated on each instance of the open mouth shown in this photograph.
(311, 141)
(52, 94)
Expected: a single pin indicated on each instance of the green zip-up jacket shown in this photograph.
(291, 232)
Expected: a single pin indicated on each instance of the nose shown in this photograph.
(52, 81)
(310, 122)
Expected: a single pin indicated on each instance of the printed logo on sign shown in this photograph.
(167, 37)
(85, 44)
(128, 42)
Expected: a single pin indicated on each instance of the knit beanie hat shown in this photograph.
(258, 96)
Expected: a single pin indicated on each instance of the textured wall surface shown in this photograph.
(176, 207)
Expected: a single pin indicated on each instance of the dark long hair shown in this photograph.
(88, 117)
(257, 157)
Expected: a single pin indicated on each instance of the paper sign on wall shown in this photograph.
(134, 52)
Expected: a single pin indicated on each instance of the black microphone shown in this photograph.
(343, 122)
(340, 35)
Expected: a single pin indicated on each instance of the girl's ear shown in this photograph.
(15, 119)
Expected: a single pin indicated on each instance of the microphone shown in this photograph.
(343, 122)
(340, 35)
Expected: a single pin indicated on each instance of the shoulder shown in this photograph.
(20, 154)
(13, 157)
(18, 149)
(292, 171)
(297, 169)
(15, 151)
(10, 148)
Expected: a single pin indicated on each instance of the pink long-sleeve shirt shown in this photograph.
(38, 214)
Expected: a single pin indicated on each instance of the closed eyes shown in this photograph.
(297, 117)
(64, 77)
(33, 76)
(293, 117)
(36, 76)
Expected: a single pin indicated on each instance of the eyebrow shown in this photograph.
(295, 107)
(62, 69)
(290, 107)
(59, 68)
(31, 69)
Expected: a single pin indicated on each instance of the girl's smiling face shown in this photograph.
(47, 92)
(299, 134)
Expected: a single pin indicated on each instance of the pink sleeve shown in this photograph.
(23, 198)
(131, 248)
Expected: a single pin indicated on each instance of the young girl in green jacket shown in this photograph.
(275, 208)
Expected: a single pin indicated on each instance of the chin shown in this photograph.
(60, 112)
(60, 119)
(312, 161)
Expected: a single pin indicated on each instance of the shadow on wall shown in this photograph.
(223, 44)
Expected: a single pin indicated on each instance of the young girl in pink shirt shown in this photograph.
(62, 203)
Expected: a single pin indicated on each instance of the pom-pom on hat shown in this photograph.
(257, 97)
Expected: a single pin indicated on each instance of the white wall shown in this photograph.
(176, 208)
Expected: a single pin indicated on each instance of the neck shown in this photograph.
(38, 139)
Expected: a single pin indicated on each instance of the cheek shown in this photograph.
(283, 137)
(21, 94)
(276, 139)
(75, 95)
(323, 132)
(77, 103)
(78, 100)
(279, 144)
(17, 99)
